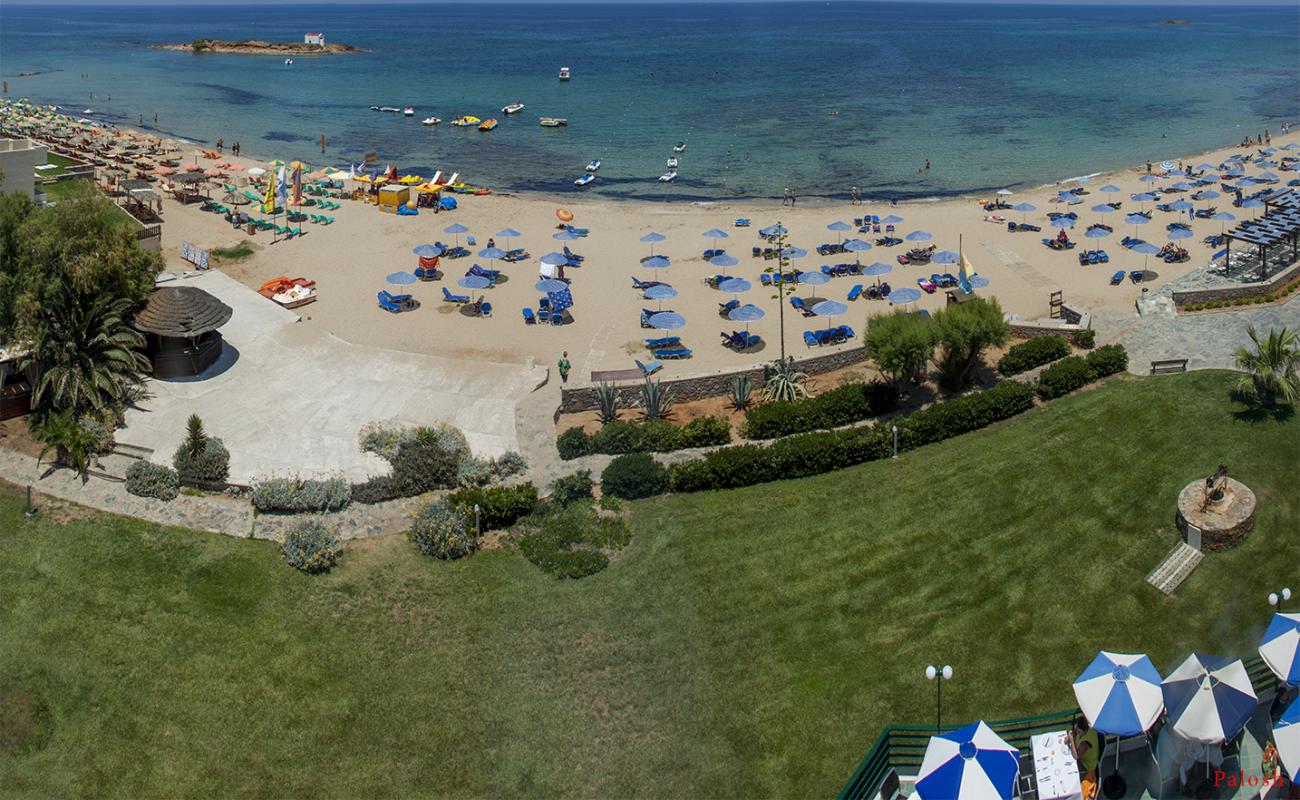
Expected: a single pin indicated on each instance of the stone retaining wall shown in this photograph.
(1234, 292)
(583, 398)
(1071, 321)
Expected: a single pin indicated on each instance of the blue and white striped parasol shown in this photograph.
(1120, 693)
(1209, 699)
(1286, 733)
(968, 763)
(1280, 647)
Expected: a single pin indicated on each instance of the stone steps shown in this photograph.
(1175, 568)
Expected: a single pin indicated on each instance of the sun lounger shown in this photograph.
(1135, 276)
(674, 353)
(741, 223)
(529, 317)
(798, 304)
(925, 284)
(855, 292)
(663, 342)
(725, 308)
(1117, 278)
(739, 340)
(454, 298)
(649, 368)
(810, 339)
(490, 274)
(427, 274)
(394, 302)
(572, 256)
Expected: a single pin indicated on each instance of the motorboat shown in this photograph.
(593, 165)
(668, 177)
(564, 73)
(672, 162)
(374, 108)
(288, 61)
(408, 111)
(87, 111)
(487, 125)
(465, 122)
(513, 108)
(392, 109)
(553, 122)
(585, 179)
(430, 121)
(680, 148)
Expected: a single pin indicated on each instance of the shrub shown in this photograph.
(742, 387)
(473, 471)
(964, 331)
(608, 397)
(843, 405)
(1033, 353)
(656, 400)
(442, 531)
(383, 438)
(744, 465)
(575, 542)
(377, 489)
(1063, 377)
(706, 432)
(146, 479)
(212, 465)
(573, 443)
(1085, 338)
(311, 546)
(900, 344)
(633, 476)
(424, 463)
(572, 488)
(509, 464)
(619, 437)
(691, 476)
(499, 506)
(296, 495)
(1108, 360)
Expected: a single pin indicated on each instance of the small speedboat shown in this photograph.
(564, 73)
(680, 148)
(288, 61)
(553, 122)
(585, 179)
(392, 109)
(465, 122)
(672, 162)
(87, 111)
(668, 177)
(593, 165)
(374, 108)
(487, 125)
(513, 108)
(408, 111)
(430, 121)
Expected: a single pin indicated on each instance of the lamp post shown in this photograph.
(31, 509)
(1276, 599)
(895, 429)
(938, 675)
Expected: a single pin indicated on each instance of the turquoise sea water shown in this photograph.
(819, 96)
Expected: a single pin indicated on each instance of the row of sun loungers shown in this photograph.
(396, 303)
(1020, 227)
(1135, 276)
(873, 292)
(837, 335)
(936, 281)
(1093, 257)
(741, 340)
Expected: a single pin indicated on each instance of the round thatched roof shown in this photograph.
(182, 311)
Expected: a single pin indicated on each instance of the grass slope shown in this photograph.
(750, 642)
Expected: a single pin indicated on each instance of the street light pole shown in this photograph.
(938, 675)
(895, 428)
(1276, 599)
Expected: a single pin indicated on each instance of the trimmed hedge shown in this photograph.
(572, 488)
(1108, 360)
(817, 453)
(842, 405)
(1074, 372)
(633, 476)
(1033, 353)
(146, 479)
(311, 546)
(499, 507)
(1085, 338)
(654, 436)
(296, 495)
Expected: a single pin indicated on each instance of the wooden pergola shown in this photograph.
(1279, 225)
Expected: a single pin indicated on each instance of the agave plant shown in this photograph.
(742, 386)
(607, 396)
(784, 382)
(1271, 368)
(656, 401)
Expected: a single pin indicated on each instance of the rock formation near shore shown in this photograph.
(261, 47)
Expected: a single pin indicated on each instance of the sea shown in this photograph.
(815, 96)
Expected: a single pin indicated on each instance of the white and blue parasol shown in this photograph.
(1120, 693)
(1286, 733)
(1280, 647)
(970, 763)
(1209, 699)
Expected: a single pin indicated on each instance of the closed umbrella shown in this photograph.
(667, 321)
(1286, 734)
(1280, 647)
(400, 278)
(970, 763)
(1209, 699)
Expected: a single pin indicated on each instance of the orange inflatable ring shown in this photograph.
(564, 214)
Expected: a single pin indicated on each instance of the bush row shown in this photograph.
(633, 476)
(843, 405)
(1033, 353)
(296, 495)
(499, 506)
(146, 479)
(816, 453)
(1073, 372)
(654, 436)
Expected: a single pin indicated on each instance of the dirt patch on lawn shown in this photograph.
(24, 722)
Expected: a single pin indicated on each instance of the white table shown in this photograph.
(1055, 769)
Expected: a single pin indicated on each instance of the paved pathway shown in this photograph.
(1207, 340)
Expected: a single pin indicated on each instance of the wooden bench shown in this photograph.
(1168, 366)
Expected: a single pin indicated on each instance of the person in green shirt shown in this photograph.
(564, 367)
(1085, 746)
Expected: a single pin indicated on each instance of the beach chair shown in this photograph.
(387, 304)
(572, 256)
(649, 368)
(490, 274)
(725, 308)
(674, 353)
(470, 241)
(846, 332)
(798, 304)
(543, 315)
(765, 279)
(730, 340)
(429, 274)
(1135, 276)
(855, 292)
(664, 342)
(529, 317)
(454, 298)
(642, 285)
(1117, 278)
(926, 284)
(741, 223)
(485, 308)
(810, 339)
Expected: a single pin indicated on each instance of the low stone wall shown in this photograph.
(583, 398)
(1071, 321)
(1237, 291)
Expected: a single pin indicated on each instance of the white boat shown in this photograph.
(585, 179)
(408, 111)
(593, 165)
(87, 111)
(430, 121)
(513, 108)
(672, 162)
(389, 108)
(564, 73)
(680, 148)
(668, 177)
(288, 61)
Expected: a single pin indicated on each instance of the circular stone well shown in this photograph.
(1223, 522)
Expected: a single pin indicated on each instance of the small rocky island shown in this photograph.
(261, 47)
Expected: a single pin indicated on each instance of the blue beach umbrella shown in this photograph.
(1224, 216)
(1148, 179)
(1286, 734)
(660, 292)
(1254, 202)
(456, 230)
(877, 269)
(723, 261)
(1135, 220)
(667, 321)
(945, 257)
(1180, 233)
(839, 227)
(856, 246)
(548, 285)
(746, 313)
(1024, 208)
(1062, 222)
(1180, 205)
(508, 234)
(1120, 693)
(656, 263)
(428, 251)
(474, 282)
(492, 253)
(650, 239)
(1280, 647)
(794, 252)
(1102, 208)
(401, 278)
(566, 236)
(1208, 194)
(735, 286)
(813, 278)
(560, 300)
(1111, 188)
(554, 259)
(919, 236)
(1209, 699)
(1205, 168)
(892, 219)
(902, 297)
(714, 233)
(1181, 186)
(970, 763)
(1247, 183)
(829, 308)
(1096, 233)
(773, 230)
(979, 282)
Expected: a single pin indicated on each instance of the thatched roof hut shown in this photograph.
(181, 324)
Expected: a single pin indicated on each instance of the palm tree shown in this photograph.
(1271, 368)
(85, 353)
(73, 444)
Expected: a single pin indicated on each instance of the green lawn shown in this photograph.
(747, 643)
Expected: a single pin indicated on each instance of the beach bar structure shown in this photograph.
(1280, 225)
(180, 324)
(16, 384)
(392, 196)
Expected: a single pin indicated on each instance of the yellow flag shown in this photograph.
(268, 202)
(967, 271)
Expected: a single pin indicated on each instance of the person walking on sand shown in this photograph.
(785, 196)
(221, 145)
(1148, 167)
(855, 194)
(564, 366)
(794, 197)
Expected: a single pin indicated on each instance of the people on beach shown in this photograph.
(927, 165)
(221, 143)
(564, 366)
(1148, 167)
(491, 242)
(235, 148)
(855, 196)
(785, 196)
(155, 118)
(794, 197)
